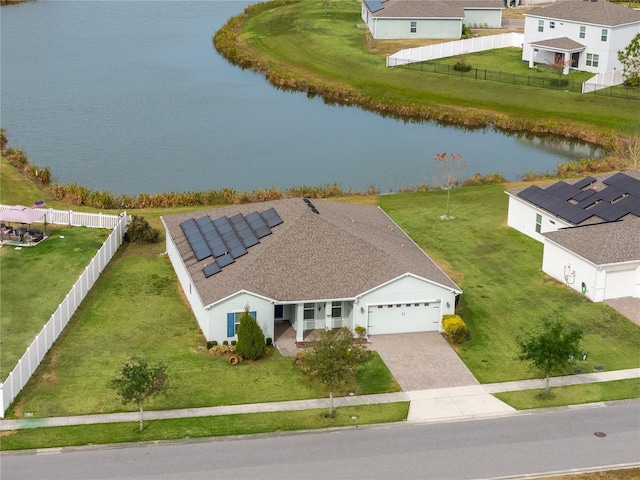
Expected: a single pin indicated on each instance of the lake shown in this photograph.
(131, 97)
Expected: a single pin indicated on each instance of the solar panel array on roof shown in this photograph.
(374, 5)
(575, 203)
(226, 239)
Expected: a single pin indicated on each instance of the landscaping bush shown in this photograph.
(251, 344)
(269, 341)
(461, 65)
(222, 350)
(141, 232)
(455, 328)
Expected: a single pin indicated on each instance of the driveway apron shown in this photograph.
(422, 361)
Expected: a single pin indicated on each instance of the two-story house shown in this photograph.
(582, 34)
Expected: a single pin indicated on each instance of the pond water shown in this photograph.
(131, 97)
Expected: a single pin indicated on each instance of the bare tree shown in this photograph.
(451, 167)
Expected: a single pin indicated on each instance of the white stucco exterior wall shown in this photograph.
(217, 315)
(573, 271)
(400, 28)
(522, 217)
(405, 289)
(483, 18)
(618, 37)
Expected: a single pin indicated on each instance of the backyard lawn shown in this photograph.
(33, 282)
(505, 293)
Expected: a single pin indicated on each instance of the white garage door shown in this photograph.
(404, 318)
(619, 284)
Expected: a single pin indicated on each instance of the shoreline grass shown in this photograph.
(304, 47)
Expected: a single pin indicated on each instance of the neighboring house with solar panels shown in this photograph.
(585, 35)
(404, 19)
(590, 229)
(316, 264)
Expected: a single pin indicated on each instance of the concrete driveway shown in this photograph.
(422, 361)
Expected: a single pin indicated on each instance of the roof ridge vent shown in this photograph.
(311, 206)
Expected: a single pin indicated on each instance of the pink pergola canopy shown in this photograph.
(22, 214)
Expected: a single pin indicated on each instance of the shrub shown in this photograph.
(225, 343)
(233, 343)
(139, 231)
(251, 343)
(269, 341)
(222, 350)
(455, 328)
(360, 331)
(461, 65)
(211, 344)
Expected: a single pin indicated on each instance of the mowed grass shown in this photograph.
(505, 293)
(198, 427)
(136, 308)
(572, 394)
(306, 42)
(35, 280)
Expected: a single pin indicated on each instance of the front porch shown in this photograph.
(284, 338)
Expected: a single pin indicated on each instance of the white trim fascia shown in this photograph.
(426, 255)
(421, 18)
(239, 292)
(404, 275)
(577, 22)
(417, 300)
(319, 300)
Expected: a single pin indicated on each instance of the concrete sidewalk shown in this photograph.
(435, 405)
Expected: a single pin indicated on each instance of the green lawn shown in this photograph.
(136, 308)
(303, 46)
(572, 394)
(33, 282)
(202, 427)
(505, 292)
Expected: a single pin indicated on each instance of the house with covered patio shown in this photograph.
(579, 34)
(315, 264)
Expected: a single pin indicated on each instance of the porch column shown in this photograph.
(531, 58)
(327, 316)
(567, 63)
(299, 322)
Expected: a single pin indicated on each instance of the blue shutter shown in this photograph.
(231, 325)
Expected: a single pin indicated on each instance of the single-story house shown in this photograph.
(590, 229)
(405, 19)
(581, 34)
(316, 264)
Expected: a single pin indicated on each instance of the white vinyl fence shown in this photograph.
(603, 80)
(457, 47)
(76, 219)
(19, 376)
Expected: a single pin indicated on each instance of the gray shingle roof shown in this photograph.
(597, 13)
(602, 243)
(431, 8)
(562, 43)
(342, 252)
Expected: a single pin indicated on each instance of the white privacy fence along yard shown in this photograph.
(490, 42)
(25, 367)
(457, 47)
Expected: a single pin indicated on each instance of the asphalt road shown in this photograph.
(503, 447)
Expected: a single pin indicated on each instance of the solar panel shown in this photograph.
(248, 238)
(238, 251)
(233, 243)
(583, 195)
(224, 260)
(271, 218)
(584, 182)
(202, 253)
(219, 250)
(238, 218)
(211, 269)
(213, 238)
(228, 236)
(257, 223)
(263, 231)
(617, 179)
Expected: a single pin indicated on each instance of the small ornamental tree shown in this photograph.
(138, 381)
(551, 347)
(251, 343)
(630, 59)
(139, 231)
(451, 167)
(332, 360)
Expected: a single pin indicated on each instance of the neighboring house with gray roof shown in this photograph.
(584, 35)
(406, 19)
(590, 229)
(317, 264)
